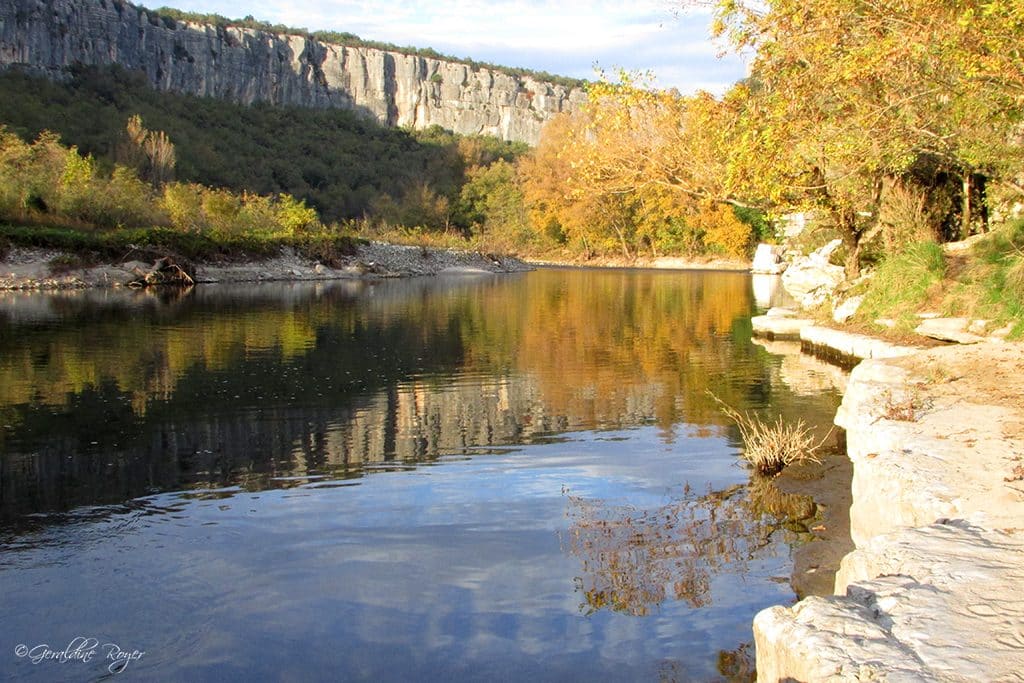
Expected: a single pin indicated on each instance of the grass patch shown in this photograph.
(994, 280)
(904, 284)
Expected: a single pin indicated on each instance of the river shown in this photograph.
(512, 477)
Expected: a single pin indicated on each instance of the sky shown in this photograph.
(567, 37)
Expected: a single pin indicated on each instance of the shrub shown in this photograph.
(77, 193)
(771, 446)
(293, 217)
(129, 201)
(908, 215)
(183, 203)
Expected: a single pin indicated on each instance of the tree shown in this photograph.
(151, 153)
(847, 94)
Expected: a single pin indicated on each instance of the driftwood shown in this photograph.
(165, 271)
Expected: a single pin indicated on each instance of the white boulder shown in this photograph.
(812, 280)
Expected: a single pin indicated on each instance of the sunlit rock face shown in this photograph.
(247, 65)
(931, 592)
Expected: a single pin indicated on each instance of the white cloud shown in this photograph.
(564, 37)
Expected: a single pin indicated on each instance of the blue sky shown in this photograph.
(563, 37)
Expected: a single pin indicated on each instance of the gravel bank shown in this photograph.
(46, 269)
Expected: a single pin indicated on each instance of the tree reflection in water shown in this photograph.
(633, 559)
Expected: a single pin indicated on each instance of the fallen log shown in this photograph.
(165, 271)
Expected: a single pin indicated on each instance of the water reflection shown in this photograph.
(108, 395)
(633, 559)
(555, 470)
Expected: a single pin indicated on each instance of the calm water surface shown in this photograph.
(517, 477)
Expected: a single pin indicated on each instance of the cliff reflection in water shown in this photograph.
(105, 396)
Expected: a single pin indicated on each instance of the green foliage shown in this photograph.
(335, 161)
(493, 203)
(760, 227)
(47, 183)
(904, 283)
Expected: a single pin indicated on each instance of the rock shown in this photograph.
(768, 260)
(922, 598)
(978, 326)
(826, 341)
(780, 312)
(963, 245)
(1002, 333)
(958, 620)
(885, 322)
(779, 327)
(948, 329)
(812, 280)
(910, 473)
(846, 310)
(248, 65)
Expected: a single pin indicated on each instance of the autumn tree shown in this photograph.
(846, 95)
(149, 152)
(630, 173)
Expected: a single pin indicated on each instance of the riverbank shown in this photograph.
(656, 263)
(936, 441)
(37, 268)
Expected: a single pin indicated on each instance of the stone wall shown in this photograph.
(247, 65)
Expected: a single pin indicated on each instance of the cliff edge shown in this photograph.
(247, 65)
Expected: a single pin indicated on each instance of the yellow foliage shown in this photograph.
(723, 231)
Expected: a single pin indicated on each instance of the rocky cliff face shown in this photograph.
(246, 65)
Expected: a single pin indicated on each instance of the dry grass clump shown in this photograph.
(902, 409)
(771, 446)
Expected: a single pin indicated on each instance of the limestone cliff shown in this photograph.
(247, 65)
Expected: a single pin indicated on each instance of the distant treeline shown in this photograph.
(169, 16)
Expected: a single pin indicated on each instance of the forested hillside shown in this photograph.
(339, 163)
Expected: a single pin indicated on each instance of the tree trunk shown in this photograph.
(965, 211)
(981, 183)
(846, 222)
(622, 242)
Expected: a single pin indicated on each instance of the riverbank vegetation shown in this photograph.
(423, 187)
(54, 197)
(983, 283)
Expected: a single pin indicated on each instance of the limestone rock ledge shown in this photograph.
(932, 436)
